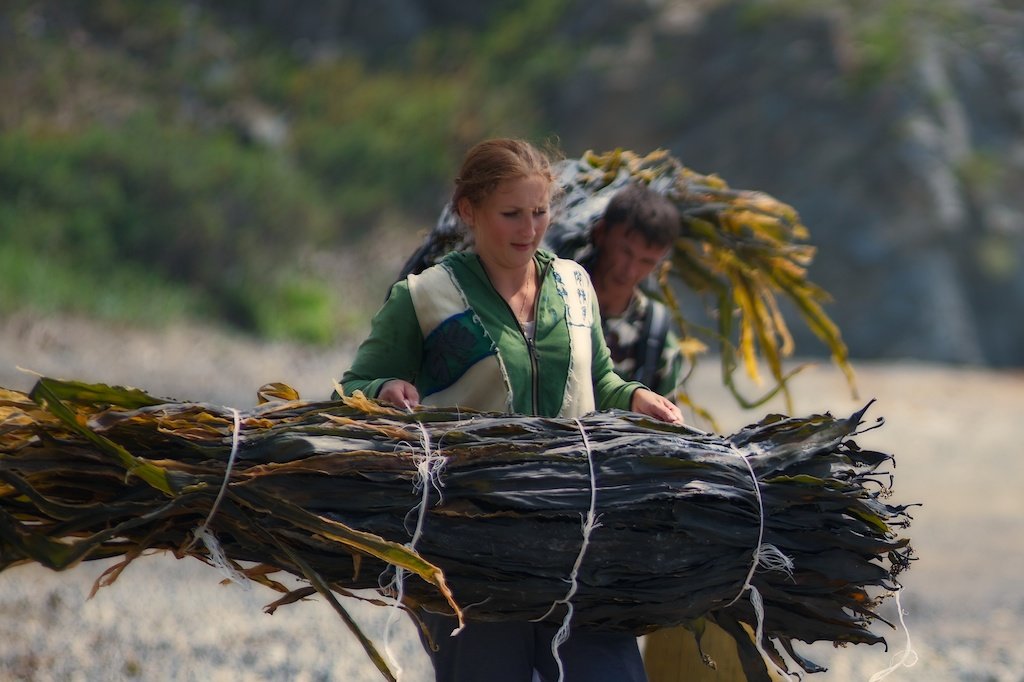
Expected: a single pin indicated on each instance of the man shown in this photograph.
(633, 236)
(631, 239)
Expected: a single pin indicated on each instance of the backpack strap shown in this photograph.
(654, 332)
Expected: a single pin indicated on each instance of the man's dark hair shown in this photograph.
(638, 207)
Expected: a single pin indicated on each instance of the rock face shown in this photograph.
(909, 182)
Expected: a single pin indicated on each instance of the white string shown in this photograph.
(220, 561)
(590, 522)
(398, 586)
(770, 557)
(203, 532)
(428, 471)
(906, 658)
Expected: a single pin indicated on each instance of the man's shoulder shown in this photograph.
(644, 305)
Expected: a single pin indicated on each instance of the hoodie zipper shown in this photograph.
(531, 347)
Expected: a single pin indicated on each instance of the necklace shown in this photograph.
(523, 316)
(522, 306)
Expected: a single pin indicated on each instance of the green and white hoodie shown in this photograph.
(449, 333)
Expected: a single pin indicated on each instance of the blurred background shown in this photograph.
(198, 197)
(267, 166)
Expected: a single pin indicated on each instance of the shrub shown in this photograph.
(200, 212)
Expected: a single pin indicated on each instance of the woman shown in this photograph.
(505, 328)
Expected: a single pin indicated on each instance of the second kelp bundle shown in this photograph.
(739, 253)
(335, 493)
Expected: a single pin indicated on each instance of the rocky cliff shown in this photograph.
(908, 173)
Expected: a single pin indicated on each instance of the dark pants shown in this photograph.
(511, 651)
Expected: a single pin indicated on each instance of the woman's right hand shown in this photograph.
(646, 401)
(399, 393)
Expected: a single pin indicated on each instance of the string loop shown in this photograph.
(770, 557)
(589, 523)
(203, 532)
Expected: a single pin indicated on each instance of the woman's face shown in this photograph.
(510, 222)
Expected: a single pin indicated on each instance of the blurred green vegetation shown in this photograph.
(160, 161)
(196, 220)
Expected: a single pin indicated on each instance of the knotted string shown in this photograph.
(428, 470)
(771, 558)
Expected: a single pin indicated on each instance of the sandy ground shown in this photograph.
(953, 432)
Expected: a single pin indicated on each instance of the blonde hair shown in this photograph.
(491, 162)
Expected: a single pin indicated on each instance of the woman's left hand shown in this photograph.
(646, 401)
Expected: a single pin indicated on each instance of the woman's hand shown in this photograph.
(399, 393)
(646, 401)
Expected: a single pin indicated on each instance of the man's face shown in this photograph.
(624, 257)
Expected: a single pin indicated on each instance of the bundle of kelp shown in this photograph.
(738, 251)
(492, 511)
